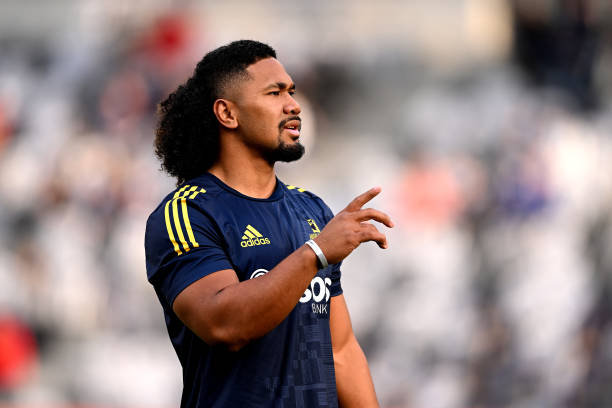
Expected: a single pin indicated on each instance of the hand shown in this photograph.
(350, 227)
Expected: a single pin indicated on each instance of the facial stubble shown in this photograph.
(285, 152)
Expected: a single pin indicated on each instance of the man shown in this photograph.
(247, 269)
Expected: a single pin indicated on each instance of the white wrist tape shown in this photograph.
(322, 260)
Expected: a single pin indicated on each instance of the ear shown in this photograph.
(225, 111)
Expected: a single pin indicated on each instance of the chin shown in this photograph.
(287, 152)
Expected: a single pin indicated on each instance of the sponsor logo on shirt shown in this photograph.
(258, 273)
(317, 293)
(252, 237)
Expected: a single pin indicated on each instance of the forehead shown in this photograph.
(267, 71)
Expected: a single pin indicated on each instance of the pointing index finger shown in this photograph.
(360, 200)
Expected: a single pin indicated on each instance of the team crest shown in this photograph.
(315, 228)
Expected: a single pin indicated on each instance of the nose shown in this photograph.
(292, 107)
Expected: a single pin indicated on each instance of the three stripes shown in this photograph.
(181, 195)
(251, 232)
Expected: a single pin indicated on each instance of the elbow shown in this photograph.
(215, 328)
(224, 337)
(235, 347)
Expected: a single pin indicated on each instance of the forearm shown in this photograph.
(353, 379)
(247, 310)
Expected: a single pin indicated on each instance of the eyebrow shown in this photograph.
(280, 85)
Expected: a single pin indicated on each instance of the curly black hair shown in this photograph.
(187, 134)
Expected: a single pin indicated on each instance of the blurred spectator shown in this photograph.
(17, 353)
(6, 129)
(558, 43)
(429, 192)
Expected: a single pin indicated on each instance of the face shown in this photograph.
(267, 113)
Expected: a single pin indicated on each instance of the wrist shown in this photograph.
(321, 259)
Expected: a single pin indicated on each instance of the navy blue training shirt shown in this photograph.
(205, 226)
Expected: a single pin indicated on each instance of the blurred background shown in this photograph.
(488, 124)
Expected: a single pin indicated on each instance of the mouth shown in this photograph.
(293, 127)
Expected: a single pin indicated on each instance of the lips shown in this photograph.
(293, 127)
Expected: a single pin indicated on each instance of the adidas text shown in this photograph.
(254, 242)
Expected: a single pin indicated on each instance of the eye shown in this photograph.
(292, 92)
(275, 93)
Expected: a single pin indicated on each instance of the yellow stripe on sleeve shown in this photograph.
(187, 223)
(178, 193)
(177, 223)
(191, 190)
(196, 193)
(181, 195)
(169, 228)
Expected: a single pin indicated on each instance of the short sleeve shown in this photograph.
(182, 245)
(336, 274)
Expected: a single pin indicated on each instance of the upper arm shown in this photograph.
(340, 324)
(197, 303)
(187, 261)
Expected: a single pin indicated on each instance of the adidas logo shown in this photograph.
(252, 237)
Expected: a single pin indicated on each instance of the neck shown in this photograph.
(244, 170)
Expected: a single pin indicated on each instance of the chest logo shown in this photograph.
(258, 273)
(252, 237)
(314, 227)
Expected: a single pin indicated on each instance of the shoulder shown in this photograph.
(200, 192)
(310, 199)
(180, 223)
(301, 193)
(192, 193)
(176, 216)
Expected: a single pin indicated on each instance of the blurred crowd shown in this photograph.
(496, 289)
